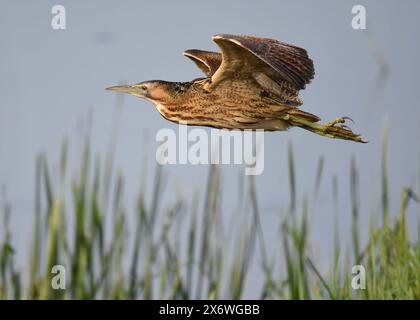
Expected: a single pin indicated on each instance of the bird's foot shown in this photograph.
(333, 129)
(337, 121)
(338, 129)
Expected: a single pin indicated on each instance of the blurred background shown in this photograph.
(52, 86)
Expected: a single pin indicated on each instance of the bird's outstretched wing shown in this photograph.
(273, 64)
(207, 61)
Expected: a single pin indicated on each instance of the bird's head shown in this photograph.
(155, 91)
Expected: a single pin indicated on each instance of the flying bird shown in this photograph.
(253, 83)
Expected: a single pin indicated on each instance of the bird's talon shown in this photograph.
(343, 126)
(334, 122)
(348, 118)
(338, 121)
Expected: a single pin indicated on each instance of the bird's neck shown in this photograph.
(177, 95)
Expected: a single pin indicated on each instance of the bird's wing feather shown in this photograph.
(207, 61)
(248, 56)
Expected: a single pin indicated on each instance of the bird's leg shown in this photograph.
(332, 129)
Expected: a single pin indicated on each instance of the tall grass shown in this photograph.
(185, 251)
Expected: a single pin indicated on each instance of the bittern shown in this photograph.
(253, 83)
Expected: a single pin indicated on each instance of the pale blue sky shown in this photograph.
(49, 80)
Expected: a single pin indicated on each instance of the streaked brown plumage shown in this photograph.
(253, 83)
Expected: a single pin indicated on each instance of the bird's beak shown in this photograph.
(124, 89)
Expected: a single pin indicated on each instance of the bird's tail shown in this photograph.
(334, 129)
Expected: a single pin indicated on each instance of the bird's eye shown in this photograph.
(143, 88)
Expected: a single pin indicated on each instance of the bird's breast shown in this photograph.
(234, 104)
